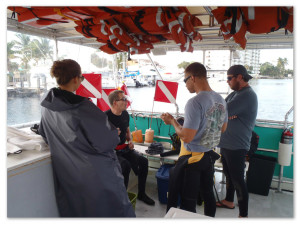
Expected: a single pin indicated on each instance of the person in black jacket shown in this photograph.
(87, 176)
(128, 157)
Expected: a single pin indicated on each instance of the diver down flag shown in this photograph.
(91, 86)
(103, 103)
(165, 91)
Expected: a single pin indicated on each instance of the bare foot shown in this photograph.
(225, 204)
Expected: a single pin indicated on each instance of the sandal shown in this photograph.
(221, 205)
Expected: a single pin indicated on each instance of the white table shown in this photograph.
(142, 149)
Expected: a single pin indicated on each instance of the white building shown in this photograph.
(248, 58)
(217, 62)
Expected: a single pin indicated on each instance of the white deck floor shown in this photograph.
(275, 205)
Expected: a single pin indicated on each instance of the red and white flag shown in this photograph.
(165, 91)
(103, 103)
(91, 86)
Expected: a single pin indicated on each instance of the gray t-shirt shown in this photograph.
(206, 113)
(238, 134)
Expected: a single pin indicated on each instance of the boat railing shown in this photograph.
(280, 178)
(148, 114)
(259, 122)
(287, 116)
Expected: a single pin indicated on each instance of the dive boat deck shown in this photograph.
(275, 205)
(32, 167)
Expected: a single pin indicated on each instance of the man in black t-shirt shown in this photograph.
(128, 157)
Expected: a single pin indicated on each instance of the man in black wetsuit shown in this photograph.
(128, 157)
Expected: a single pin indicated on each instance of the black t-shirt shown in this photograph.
(121, 122)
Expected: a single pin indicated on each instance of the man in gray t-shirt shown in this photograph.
(235, 141)
(206, 113)
(205, 118)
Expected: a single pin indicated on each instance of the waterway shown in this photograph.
(275, 98)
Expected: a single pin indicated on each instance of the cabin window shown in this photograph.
(29, 59)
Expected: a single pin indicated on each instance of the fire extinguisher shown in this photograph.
(286, 137)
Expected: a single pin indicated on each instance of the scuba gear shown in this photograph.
(155, 148)
(175, 141)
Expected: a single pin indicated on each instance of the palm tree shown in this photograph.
(11, 54)
(42, 49)
(281, 63)
(25, 51)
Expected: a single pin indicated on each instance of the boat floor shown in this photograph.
(275, 205)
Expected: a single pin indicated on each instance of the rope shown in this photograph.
(132, 113)
(158, 126)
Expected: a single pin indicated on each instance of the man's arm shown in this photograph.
(224, 127)
(185, 134)
(128, 134)
(128, 138)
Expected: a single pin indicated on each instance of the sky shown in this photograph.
(271, 55)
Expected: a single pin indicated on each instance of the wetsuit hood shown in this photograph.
(60, 100)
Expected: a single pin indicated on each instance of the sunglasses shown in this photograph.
(186, 79)
(230, 78)
(122, 99)
(82, 78)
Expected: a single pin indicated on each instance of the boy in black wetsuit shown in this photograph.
(128, 157)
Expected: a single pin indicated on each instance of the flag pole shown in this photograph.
(152, 114)
(177, 109)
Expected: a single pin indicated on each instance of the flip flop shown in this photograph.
(221, 205)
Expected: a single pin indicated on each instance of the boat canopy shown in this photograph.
(141, 30)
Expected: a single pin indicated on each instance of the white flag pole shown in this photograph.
(152, 113)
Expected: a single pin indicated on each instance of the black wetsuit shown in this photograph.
(129, 159)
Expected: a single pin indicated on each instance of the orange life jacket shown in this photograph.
(124, 38)
(187, 47)
(120, 28)
(232, 24)
(117, 43)
(72, 13)
(235, 21)
(148, 21)
(181, 28)
(109, 48)
(119, 32)
(174, 27)
(274, 19)
(100, 31)
(187, 22)
(126, 9)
